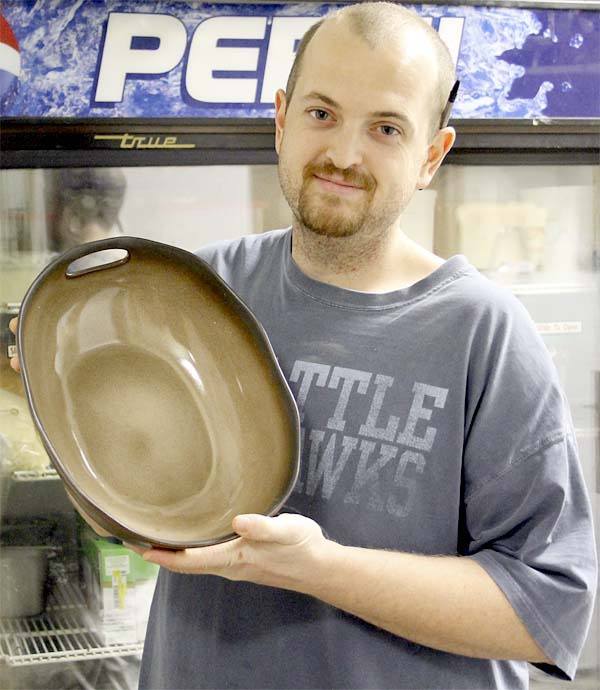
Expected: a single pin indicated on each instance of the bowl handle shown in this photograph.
(78, 254)
(94, 256)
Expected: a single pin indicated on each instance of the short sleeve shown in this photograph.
(527, 514)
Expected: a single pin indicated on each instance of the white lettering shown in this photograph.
(119, 59)
(308, 371)
(382, 383)
(450, 31)
(206, 57)
(326, 467)
(350, 377)
(367, 475)
(417, 412)
(394, 506)
(285, 31)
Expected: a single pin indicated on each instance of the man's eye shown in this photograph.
(389, 131)
(319, 114)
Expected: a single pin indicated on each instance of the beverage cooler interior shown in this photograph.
(533, 228)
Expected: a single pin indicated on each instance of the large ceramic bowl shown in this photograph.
(156, 394)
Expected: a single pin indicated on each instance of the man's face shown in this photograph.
(353, 143)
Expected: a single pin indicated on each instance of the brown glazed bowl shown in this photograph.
(156, 394)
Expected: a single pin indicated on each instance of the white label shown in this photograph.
(120, 563)
(12, 350)
(559, 327)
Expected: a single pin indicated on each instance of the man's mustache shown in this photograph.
(348, 176)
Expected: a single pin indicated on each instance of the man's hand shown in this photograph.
(14, 361)
(273, 551)
(445, 602)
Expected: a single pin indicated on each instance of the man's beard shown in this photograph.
(325, 213)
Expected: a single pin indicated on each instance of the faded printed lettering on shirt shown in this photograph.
(362, 453)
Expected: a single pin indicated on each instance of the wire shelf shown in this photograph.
(46, 474)
(59, 634)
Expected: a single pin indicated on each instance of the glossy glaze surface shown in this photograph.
(158, 396)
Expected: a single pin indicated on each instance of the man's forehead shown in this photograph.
(399, 44)
(339, 61)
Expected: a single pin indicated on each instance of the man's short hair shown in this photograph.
(374, 22)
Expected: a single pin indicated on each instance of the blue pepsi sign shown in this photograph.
(10, 61)
(105, 58)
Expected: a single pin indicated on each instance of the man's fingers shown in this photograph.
(140, 550)
(204, 559)
(283, 529)
(14, 361)
(257, 527)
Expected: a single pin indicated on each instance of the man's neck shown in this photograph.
(367, 263)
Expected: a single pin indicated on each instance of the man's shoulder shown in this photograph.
(482, 292)
(244, 250)
(493, 309)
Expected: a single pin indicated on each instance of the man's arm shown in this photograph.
(445, 602)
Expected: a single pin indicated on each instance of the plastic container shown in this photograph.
(23, 573)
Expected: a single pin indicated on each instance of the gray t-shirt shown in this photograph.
(432, 422)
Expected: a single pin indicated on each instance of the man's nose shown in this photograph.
(344, 148)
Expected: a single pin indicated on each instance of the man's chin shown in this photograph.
(331, 224)
(329, 229)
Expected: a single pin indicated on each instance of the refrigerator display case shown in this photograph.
(96, 142)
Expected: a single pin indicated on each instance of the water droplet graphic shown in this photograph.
(566, 86)
(576, 41)
(549, 33)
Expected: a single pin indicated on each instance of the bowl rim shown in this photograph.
(109, 522)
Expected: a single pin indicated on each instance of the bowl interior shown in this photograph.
(160, 400)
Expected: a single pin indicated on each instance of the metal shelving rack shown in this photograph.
(62, 633)
(46, 474)
(65, 631)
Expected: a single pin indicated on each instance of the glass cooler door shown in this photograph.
(534, 229)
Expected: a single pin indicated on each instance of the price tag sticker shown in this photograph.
(559, 327)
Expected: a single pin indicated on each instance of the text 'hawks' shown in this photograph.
(371, 446)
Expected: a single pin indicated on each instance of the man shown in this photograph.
(439, 535)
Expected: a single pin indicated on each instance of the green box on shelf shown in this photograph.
(110, 557)
(118, 585)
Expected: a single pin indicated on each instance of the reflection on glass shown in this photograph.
(520, 223)
(83, 205)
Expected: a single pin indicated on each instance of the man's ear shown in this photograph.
(436, 152)
(280, 108)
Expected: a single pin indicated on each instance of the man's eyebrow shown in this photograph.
(394, 115)
(315, 95)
